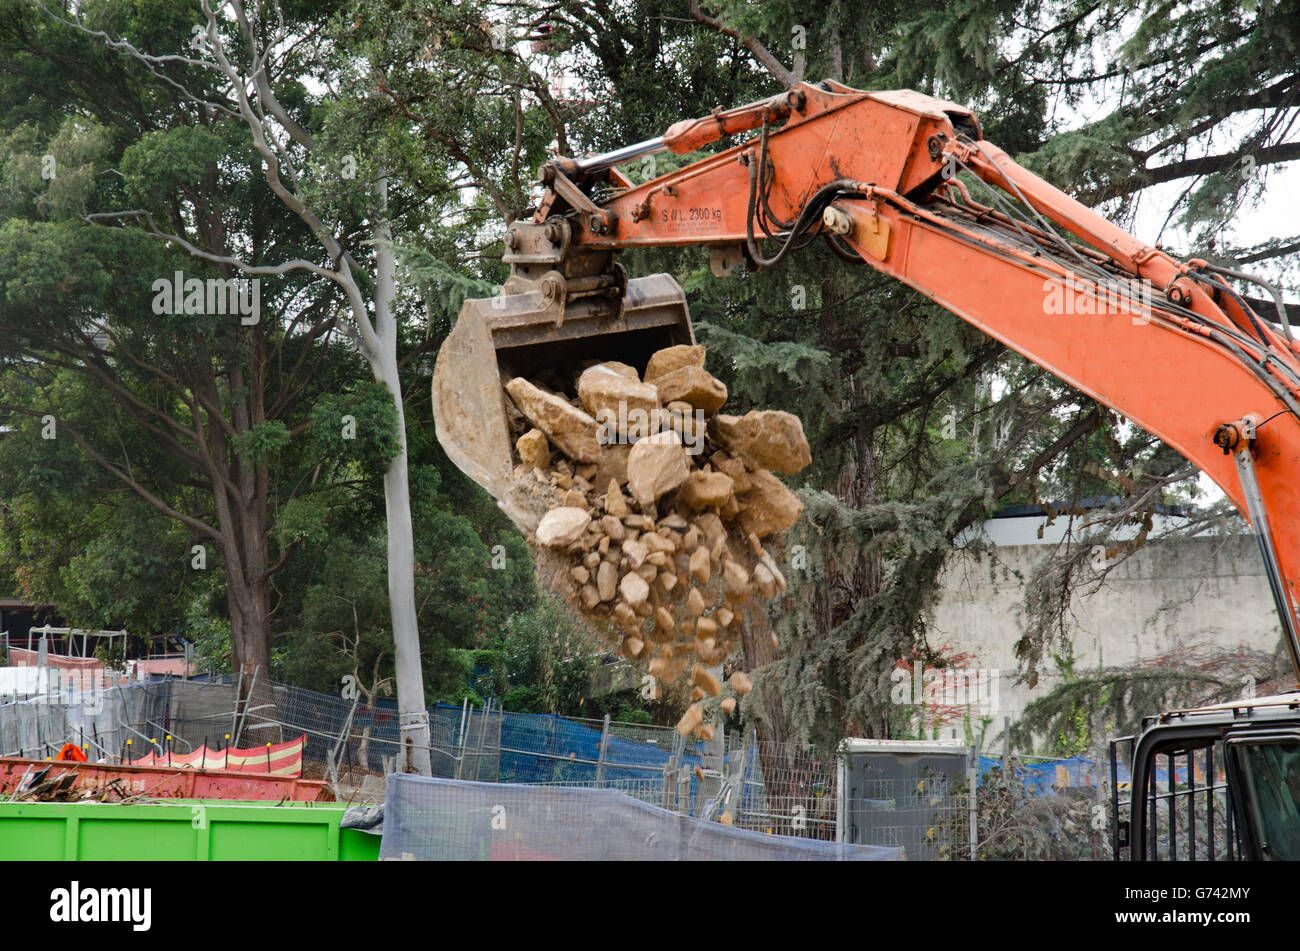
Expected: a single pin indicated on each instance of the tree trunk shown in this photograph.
(413, 716)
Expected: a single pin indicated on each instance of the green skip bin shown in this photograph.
(184, 830)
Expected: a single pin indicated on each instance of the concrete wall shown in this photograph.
(1170, 596)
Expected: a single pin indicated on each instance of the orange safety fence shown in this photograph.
(278, 759)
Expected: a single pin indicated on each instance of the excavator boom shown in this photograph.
(1166, 343)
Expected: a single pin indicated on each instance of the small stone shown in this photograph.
(724, 616)
(664, 621)
(692, 718)
(612, 527)
(603, 545)
(625, 615)
(657, 558)
(706, 681)
(647, 571)
(642, 523)
(700, 565)
(656, 542)
(634, 589)
(740, 683)
(706, 627)
(575, 499)
(590, 597)
(534, 449)
(737, 580)
(632, 646)
(586, 472)
(612, 464)
(673, 522)
(606, 581)
(636, 551)
(728, 706)
(693, 385)
(580, 575)
(667, 581)
(673, 358)
(591, 560)
(694, 603)
(733, 467)
(615, 504)
(764, 580)
(562, 526)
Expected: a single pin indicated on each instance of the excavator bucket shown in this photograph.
(527, 334)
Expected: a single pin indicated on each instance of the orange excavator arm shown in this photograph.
(1166, 343)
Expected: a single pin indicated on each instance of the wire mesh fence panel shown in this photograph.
(788, 790)
(440, 820)
(928, 817)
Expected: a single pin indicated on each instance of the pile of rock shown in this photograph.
(660, 506)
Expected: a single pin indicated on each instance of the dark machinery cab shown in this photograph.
(1219, 782)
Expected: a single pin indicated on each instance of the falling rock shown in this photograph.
(777, 574)
(667, 581)
(694, 385)
(574, 499)
(715, 534)
(724, 616)
(656, 542)
(765, 438)
(606, 581)
(740, 683)
(562, 526)
(591, 560)
(625, 615)
(769, 505)
(697, 693)
(580, 575)
(692, 718)
(534, 449)
(673, 358)
(571, 430)
(612, 464)
(728, 705)
(706, 627)
(705, 732)
(737, 580)
(632, 646)
(673, 522)
(694, 603)
(619, 404)
(705, 680)
(612, 527)
(636, 552)
(706, 489)
(700, 565)
(664, 621)
(733, 467)
(615, 504)
(590, 597)
(656, 466)
(634, 589)
(765, 581)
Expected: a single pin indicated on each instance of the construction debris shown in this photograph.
(659, 507)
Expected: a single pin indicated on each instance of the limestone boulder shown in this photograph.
(673, 358)
(571, 430)
(656, 466)
(562, 526)
(765, 439)
(704, 490)
(693, 385)
(621, 405)
(769, 505)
